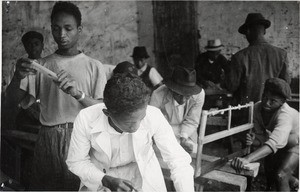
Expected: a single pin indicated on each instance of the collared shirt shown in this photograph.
(180, 109)
(186, 125)
(92, 153)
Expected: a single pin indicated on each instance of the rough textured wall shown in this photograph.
(222, 20)
(110, 29)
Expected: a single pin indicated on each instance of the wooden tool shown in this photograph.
(44, 70)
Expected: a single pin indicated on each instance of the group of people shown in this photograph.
(98, 134)
(258, 73)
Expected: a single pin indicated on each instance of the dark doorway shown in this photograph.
(175, 33)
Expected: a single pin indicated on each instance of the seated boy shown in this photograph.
(181, 101)
(111, 144)
(276, 127)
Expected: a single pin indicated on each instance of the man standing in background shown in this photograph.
(251, 67)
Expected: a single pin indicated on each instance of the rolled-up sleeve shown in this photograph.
(279, 136)
(78, 160)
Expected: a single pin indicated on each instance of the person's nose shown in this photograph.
(268, 102)
(62, 33)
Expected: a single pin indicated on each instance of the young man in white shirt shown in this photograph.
(111, 145)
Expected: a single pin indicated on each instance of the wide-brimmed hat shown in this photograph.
(125, 67)
(279, 87)
(140, 52)
(214, 45)
(254, 18)
(183, 81)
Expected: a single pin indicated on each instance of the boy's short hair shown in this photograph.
(125, 93)
(66, 7)
(30, 35)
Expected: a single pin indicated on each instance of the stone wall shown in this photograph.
(218, 19)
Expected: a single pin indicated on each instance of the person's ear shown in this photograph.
(106, 112)
(80, 28)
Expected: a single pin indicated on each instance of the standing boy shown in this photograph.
(80, 83)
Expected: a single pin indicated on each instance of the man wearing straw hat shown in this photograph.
(210, 65)
(181, 102)
(252, 66)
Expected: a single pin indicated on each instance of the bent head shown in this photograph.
(275, 94)
(126, 98)
(66, 24)
(271, 102)
(180, 99)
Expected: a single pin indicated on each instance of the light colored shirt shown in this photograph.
(92, 153)
(186, 125)
(283, 124)
(154, 76)
(58, 107)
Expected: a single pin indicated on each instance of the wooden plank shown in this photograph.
(226, 133)
(251, 172)
(222, 181)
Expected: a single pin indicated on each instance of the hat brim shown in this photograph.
(183, 90)
(214, 48)
(135, 56)
(264, 22)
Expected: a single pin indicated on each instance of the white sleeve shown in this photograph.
(177, 159)
(154, 76)
(78, 159)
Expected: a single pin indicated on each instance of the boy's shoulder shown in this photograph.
(92, 112)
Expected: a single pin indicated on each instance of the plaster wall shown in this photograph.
(221, 19)
(110, 30)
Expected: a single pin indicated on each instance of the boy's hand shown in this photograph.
(250, 138)
(67, 84)
(188, 147)
(116, 184)
(238, 163)
(24, 68)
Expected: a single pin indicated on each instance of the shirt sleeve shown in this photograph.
(177, 159)
(99, 81)
(155, 77)
(191, 121)
(279, 136)
(78, 159)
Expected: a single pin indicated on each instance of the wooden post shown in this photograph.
(229, 117)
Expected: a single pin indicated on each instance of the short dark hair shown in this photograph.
(66, 7)
(30, 35)
(125, 93)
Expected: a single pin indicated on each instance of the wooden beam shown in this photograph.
(226, 133)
